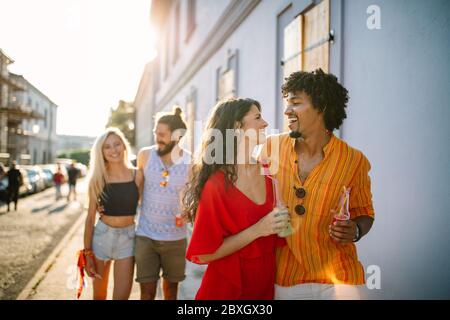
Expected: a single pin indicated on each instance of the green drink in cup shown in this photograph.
(280, 208)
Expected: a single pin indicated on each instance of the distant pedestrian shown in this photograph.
(73, 173)
(58, 179)
(15, 180)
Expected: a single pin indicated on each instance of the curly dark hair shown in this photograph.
(224, 116)
(327, 94)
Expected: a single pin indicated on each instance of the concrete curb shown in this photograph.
(48, 263)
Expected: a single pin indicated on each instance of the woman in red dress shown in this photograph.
(230, 202)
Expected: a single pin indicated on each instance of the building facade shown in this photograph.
(392, 56)
(144, 105)
(11, 114)
(28, 120)
(42, 138)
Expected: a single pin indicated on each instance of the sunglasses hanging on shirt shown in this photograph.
(165, 176)
(300, 193)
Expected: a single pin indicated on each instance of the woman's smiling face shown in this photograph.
(113, 149)
(253, 120)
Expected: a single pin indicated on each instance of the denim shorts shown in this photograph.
(110, 243)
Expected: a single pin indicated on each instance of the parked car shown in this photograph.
(36, 180)
(46, 174)
(49, 177)
(26, 188)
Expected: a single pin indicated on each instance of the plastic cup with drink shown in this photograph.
(280, 208)
(342, 212)
(179, 220)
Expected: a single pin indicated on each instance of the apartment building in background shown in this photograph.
(27, 119)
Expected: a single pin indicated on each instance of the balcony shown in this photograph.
(15, 85)
(18, 111)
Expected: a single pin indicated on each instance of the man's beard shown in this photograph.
(165, 150)
(295, 134)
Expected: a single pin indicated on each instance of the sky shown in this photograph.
(85, 55)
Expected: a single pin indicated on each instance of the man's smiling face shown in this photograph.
(303, 118)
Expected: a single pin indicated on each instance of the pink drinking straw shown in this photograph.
(344, 213)
(278, 201)
(266, 172)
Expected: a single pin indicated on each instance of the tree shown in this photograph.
(123, 117)
(81, 156)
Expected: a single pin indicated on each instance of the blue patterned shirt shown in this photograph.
(161, 204)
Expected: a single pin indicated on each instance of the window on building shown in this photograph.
(51, 120)
(307, 41)
(44, 157)
(45, 119)
(156, 73)
(190, 19)
(166, 55)
(191, 117)
(316, 37)
(226, 81)
(176, 34)
(218, 75)
(3, 95)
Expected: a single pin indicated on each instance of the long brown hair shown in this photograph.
(224, 116)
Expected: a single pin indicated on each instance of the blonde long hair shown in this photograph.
(97, 162)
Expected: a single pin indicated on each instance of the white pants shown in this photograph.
(317, 291)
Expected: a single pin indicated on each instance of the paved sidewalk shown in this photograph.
(30, 234)
(58, 281)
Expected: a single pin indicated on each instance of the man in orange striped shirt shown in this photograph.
(313, 166)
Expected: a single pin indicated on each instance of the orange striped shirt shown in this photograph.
(311, 255)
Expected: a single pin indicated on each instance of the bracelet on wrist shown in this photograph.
(88, 252)
(358, 233)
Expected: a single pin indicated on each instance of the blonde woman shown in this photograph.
(115, 185)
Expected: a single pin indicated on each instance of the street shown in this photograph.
(28, 235)
(38, 245)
